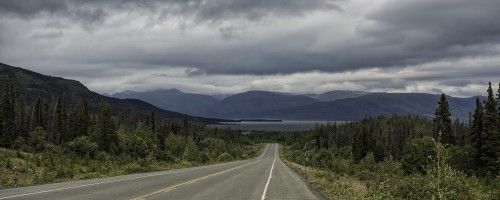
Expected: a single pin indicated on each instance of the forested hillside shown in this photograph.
(29, 86)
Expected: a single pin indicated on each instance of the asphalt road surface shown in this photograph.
(265, 177)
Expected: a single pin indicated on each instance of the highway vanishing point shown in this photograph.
(265, 177)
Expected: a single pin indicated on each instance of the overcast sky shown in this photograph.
(230, 46)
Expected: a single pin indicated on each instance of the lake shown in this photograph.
(272, 126)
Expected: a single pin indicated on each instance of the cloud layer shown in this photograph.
(221, 46)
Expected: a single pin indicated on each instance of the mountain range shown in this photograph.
(333, 105)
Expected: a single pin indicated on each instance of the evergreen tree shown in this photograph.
(38, 114)
(60, 123)
(491, 142)
(83, 119)
(443, 121)
(498, 101)
(185, 126)
(8, 114)
(152, 122)
(317, 139)
(108, 138)
(476, 135)
(21, 118)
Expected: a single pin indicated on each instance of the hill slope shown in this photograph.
(33, 85)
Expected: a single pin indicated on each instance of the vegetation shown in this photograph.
(402, 157)
(60, 139)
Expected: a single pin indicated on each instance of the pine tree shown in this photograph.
(443, 121)
(38, 120)
(8, 114)
(498, 99)
(491, 143)
(60, 123)
(498, 102)
(152, 122)
(108, 138)
(476, 135)
(185, 126)
(84, 119)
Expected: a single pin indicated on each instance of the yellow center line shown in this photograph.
(168, 189)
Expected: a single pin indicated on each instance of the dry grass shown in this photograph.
(330, 185)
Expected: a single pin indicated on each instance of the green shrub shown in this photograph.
(390, 167)
(418, 155)
(191, 151)
(462, 158)
(368, 163)
(38, 139)
(174, 144)
(323, 159)
(342, 166)
(225, 157)
(84, 146)
(214, 147)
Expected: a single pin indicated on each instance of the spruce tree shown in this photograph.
(498, 102)
(185, 126)
(152, 122)
(491, 142)
(8, 114)
(498, 99)
(84, 119)
(60, 123)
(476, 135)
(108, 138)
(38, 114)
(443, 121)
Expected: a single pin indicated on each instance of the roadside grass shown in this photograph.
(328, 184)
(19, 169)
(386, 180)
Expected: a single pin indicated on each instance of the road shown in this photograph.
(265, 177)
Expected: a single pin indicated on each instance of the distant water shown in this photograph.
(272, 126)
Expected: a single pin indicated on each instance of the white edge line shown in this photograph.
(132, 178)
(270, 175)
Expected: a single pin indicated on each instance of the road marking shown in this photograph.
(262, 154)
(132, 178)
(270, 175)
(168, 189)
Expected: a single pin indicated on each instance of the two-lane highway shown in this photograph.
(265, 177)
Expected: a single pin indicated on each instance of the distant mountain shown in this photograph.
(33, 85)
(374, 104)
(220, 96)
(173, 99)
(247, 103)
(338, 94)
(334, 105)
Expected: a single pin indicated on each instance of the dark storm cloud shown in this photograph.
(421, 31)
(197, 10)
(86, 15)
